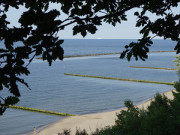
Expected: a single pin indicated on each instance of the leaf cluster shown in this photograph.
(167, 26)
(137, 49)
(38, 33)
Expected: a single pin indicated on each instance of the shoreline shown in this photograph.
(91, 121)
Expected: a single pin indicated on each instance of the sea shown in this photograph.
(52, 90)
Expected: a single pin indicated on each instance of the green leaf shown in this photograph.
(11, 100)
(75, 30)
(129, 55)
(59, 42)
(122, 54)
(177, 47)
(46, 7)
(136, 13)
(83, 33)
(1, 87)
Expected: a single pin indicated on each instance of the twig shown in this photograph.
(30, 60)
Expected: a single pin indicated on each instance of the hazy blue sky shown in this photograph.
(125, 30)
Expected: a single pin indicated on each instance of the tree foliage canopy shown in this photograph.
(39, 26)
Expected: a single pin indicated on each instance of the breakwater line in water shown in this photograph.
(98, 54)
(121, 79)
(39, 110)
(153, 68)
(72, 56)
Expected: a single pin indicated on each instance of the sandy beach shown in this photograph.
(89, 121)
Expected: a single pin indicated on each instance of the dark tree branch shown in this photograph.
(105, 16)
(31, 58)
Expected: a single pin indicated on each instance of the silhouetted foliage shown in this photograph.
(81, 132)
(65, 132)
(158, 119)
(39, 26)
(78, 132)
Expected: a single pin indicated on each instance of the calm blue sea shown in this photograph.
(52, 90)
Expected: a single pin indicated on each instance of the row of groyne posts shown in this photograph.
(40, 111)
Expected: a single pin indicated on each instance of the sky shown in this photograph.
(125, 30)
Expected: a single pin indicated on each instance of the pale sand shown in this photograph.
(89, 121)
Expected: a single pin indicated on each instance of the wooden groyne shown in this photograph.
(72, 56)
(121, 79)
(84, 55)
(39, 110)
(154, 68)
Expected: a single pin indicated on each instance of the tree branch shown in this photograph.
(104, 16)
(30, 60)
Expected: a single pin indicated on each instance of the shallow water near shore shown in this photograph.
(52, 90)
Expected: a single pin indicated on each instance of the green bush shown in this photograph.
(114, 130)
(129, 121)
(83, 132)
(162, 117)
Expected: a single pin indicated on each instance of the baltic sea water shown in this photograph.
(52, 90)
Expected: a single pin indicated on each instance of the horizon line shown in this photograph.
(113, 38)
